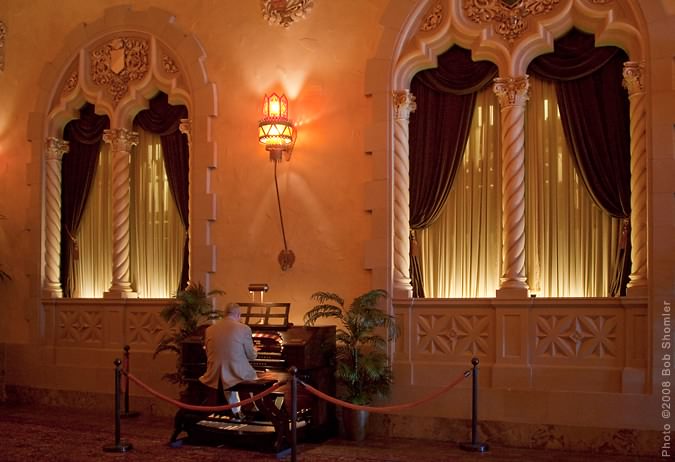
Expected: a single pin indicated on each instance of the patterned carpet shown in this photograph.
(36, 434)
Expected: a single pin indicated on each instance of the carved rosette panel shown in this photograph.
(145, 328)
(633, 81)
(285, 12)
(404, 104)
(433, 18)
(465, 335)
(508, 17)
(80, 327)
(117, 63)
(576, 337)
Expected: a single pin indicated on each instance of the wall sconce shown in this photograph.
(278, 134)
(275, 130)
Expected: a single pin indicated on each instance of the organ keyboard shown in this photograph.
(280, 345)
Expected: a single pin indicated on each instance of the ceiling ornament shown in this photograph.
(433, 18)
(507, 16)
(119, 62)
(285, 12)
(169, 65)
(3, 33)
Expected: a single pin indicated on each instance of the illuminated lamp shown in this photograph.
(275, 131)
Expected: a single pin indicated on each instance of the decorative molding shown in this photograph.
(576, 336)
(80, 327)
(285, 12)
(71, 83)
(461, 334)
(145, 328)
(3, 34)
(169, 65)
(404, 104)
(119, 62)
(512, 91)
(433, 18)
(507, 16)
(633, 74)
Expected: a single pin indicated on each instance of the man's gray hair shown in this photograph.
(232, 309)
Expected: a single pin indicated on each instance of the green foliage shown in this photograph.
(191, 308)
(363, 370)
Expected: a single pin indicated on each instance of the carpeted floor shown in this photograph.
(36, 434)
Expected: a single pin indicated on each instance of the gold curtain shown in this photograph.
(570, 242)
(460, 252)
(92, 269)
(157, 233)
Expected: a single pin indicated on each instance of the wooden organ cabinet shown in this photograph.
(280, 345)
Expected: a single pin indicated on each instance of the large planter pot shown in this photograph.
(354, 422)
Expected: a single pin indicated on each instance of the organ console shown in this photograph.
(280, 345)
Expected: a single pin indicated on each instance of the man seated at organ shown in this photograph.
(229, 348)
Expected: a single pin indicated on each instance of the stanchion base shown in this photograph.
(130, 414)
(123, 446)
(475, 447)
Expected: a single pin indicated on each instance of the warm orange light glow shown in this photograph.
(275, 130)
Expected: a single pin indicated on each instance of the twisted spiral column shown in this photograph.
(55, 148)
(633, 78)
(121, 141)
(513, 95)
(404, 104)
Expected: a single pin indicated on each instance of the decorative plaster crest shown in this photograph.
(119, 62)
(169, 65)
(508, 16)
(433, 18)
(3, 33)
(71, 83)
(285, 12)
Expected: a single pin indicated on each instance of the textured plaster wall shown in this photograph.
(318, 62)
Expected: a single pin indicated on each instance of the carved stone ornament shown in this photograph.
(71, 83)
(285, 12)
(169, 65)
(507, 16)
(633, 77)
(433, 18)
(404, 104)
(3, 33)
(119, 62)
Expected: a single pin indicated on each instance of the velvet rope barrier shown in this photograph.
(385, 409)
(191, 407)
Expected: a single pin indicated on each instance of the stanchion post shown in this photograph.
(474, 445)
(294, 413)
(119, 446)
(126, 412)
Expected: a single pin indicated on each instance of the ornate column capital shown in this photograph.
(55, 148)
(404, 104)
(512, 91)
(185, 127)
(120, 139)
(633, 77)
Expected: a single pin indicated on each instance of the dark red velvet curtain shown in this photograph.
(595, 114)
(78, 168)
(163, 119)
(438, 132)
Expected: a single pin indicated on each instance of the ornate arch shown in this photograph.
(118, 68)
(510, 34)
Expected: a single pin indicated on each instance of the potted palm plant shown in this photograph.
(362, 370)
(186, 316)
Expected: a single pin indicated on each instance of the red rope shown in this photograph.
(384, 409)
(191, 407)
